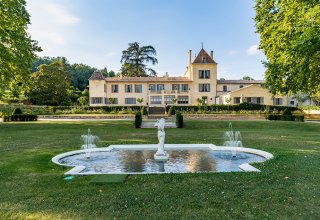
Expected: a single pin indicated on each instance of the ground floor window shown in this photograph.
(255, 100)
(130, 101)
(277, 101)
(183, 100)
(168, 99)
(111, 101)
(155, 99)
(96, 100)
(236, 100)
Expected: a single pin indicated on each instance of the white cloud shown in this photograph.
(60, 15)
(253, 50)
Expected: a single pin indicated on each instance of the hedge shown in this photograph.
(179, 120)
(20, 117)
(138, 120)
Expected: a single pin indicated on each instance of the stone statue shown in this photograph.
(161, 154)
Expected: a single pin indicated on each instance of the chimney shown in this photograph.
(190, 54)
(211, 54)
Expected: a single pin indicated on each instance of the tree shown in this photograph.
(247, 78)
(79, 75)
(134, 58)
(50, 85)
(140, 100)
(17, 49)
(289, 32)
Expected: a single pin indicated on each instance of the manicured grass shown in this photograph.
(32, 187)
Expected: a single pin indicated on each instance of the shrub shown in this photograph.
(179, 120)
(17, 111)
(20, 117)
(144, 110)
(287, 115)
(172, 111)
(138, 120)
(299, 118)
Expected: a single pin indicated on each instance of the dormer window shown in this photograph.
(204, 60)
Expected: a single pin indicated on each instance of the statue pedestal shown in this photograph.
(161, 157)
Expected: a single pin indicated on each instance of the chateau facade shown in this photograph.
(199, 84)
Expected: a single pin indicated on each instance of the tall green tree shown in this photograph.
(289, 32)
(17, 49)
(135, 58)
(50, 85)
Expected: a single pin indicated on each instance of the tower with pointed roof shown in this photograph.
(203, 72)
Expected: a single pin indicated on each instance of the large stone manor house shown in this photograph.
(199, 83)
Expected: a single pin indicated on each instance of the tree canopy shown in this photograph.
(289, 32)
(50, 85)
(134, 60)
(17, 49)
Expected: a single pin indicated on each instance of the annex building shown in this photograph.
(199, 84)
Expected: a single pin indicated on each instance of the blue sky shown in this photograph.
(95, 32)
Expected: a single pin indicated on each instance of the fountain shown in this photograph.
(88, 140)
(154, 158)
(161, 155)
(233, 139)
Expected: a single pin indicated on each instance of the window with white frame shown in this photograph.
(130, 101)
(225, 88)
(155, 99)
(160, 87)
(152, 87)
(183, 100)
(168, 99)
(204, 87)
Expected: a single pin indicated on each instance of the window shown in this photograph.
(111, 101)
(204, 87)
(175, 87)
(204, 60)
(291, 102)
(255, 100)
(138, 88)
(156, 99)
(168, 99)
(105, 88)
(204, 74)
(114, 88)
(128, 88)
(96, 100)
(236, 100)
(160, 87)
(204, 100)
(184, 87)
(225, 88)
(277, 101)
(152, 87)
(130, 101)
(183, 100)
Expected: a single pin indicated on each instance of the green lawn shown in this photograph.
(32, 187)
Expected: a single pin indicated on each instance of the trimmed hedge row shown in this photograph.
(279, 117)
(239, 107)
(20, 117)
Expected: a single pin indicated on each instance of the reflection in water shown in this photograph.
(131, 161)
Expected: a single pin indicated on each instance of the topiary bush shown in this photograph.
(17, 111)
(138, 120)
(179, 120)
(287, 115)
(172, 111)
